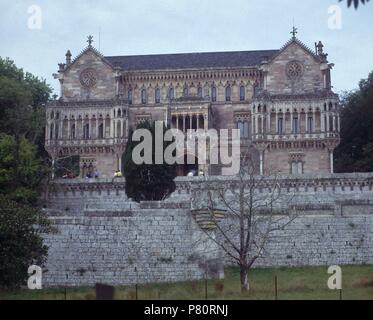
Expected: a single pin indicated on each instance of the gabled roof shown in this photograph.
(199, 60)
(87, 49)
(299, 43)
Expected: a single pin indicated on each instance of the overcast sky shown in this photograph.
(176, 26)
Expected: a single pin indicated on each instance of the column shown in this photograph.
(68, 128)
(291, 122)
(119, 162)
(190, 121)
(276, 124)
(104, 127)
(112, 128)
(261, 156)
(334, 123)
(331, 161)
(90, 129)
(96, 128)
(205, 121)
(60, 128)
(313, 122)
(322, 121)
(184, 123)
(256, 125)
(197, 121)
(262, 123)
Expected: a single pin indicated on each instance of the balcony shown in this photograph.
(85, 142)
(294, 137)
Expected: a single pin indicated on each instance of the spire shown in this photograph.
(90, 40)
(68, 57)
(294, 32)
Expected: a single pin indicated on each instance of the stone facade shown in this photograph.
(104, 237)
(281, 100)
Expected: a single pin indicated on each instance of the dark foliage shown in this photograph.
(355, 2)
(22, 173)
(355, 153)
(147, 182)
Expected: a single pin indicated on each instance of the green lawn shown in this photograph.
(293, 283)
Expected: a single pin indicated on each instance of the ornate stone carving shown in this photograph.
(88, 77)
(294, 70)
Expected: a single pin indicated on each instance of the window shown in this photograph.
(228, 92)
(295, 126)
(199, 92)
(119, 113)
(52, 115)
(171, 93)
(130, 96)
(213, 94)
(246, 132)
(240, 127)
(72, 133)
(143, 96)
(296, 167)
(51, 132)
(56, 132)
(280, 126)
(243, 126)
(101, 131)
(310, 124)
(185, 92)
(242, 93)
(86, 131)
(157, 95)
(331, 124)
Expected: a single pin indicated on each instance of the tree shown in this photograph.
(147, 182)
(22, 104)
(356, 129)
(21, 244)
(250, 216)
(355, 2)
(22, 172)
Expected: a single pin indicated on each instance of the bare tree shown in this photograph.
(253, 208)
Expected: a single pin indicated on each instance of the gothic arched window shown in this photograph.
(185, 91)
(130, 96)
(101, 131)
(228, 93)
(86, 131)
(157, 95)
(199, 92)
(143, 96)
(51, 131)
(171, 93)
(242, 93)
(213, 93)
(72, 133)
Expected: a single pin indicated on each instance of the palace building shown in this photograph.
(281, 100)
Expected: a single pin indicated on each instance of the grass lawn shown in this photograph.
(293, 283)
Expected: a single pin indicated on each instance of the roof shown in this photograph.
(231, 59)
